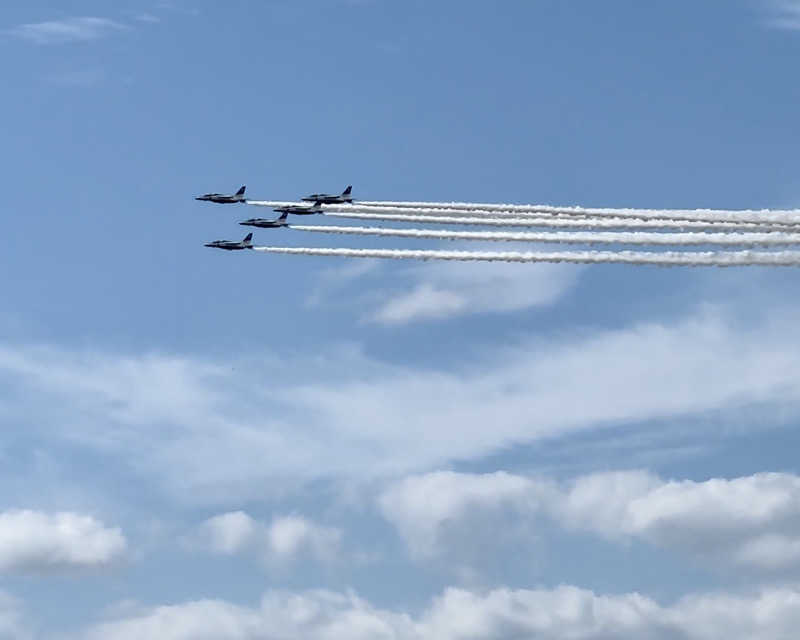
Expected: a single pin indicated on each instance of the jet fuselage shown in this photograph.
(263, 223)
(300, 210)
(327, 198)
(220, 199)
(230, 245)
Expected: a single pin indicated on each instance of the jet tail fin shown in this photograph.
(240, 192)
(347, 191)
(284, 216)
(248, 240)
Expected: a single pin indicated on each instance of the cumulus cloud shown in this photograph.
(743, 520)
(420, 506)
(564, 612)
(290, 534)
(35, 541)
(68, 30)
(229, 533)
(751, 522)
(282, 539)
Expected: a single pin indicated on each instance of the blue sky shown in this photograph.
(198, 444)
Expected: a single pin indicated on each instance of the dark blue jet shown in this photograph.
(267, 224)
(300, 209)
(229, 245)
(220, 198)
(327, 198)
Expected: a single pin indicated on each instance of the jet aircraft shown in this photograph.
(301, 209)
(230, 245)
(220, 198)
(327, 198)
(267, 224)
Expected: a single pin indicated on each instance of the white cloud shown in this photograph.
(290, 534)
(148, 17)
(283, 539)
(68, 30)
(784, 14)
(425, 301)
(769, 551)
(744, 520)
(216, 431)
(436, 291)
(534, 390)
(420, 506)
(751, 522)
(35, 541)
(557, 614)
(12, 625)
(229, 533)
(445, 290)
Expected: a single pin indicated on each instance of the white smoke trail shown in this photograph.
(759, 217)
(277, 203)
(699, 215)
(661, 239)
(664, 259)
(557, 223)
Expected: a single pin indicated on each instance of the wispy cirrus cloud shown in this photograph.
(148, 17)
(783, 14)
(81, 29)
(211, 431)
(441, 291)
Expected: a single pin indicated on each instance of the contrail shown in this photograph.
(276, 203)
(664, 259)
(557, 223)
(405, 211)
(699, 215)
(662, 239)
(762, 217)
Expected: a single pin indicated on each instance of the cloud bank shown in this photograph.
(564, 612)
(751, 522)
